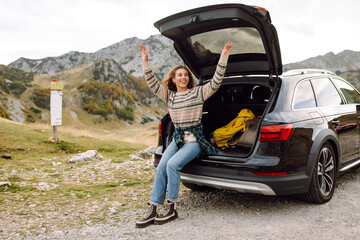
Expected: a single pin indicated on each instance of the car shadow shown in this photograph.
(215, 198)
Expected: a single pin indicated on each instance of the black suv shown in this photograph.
(309, 119)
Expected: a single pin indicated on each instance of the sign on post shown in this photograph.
(56, 106)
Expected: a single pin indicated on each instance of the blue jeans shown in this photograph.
(168, 170)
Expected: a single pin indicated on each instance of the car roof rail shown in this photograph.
(307, 71)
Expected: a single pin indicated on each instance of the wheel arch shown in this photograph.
(325, 135)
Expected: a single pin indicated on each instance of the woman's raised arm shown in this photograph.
(211, 87)
(150, 77)
(144, 53)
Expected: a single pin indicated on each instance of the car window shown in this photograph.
(243, 39)
(304, 96)
(325, 92)
(351, 95)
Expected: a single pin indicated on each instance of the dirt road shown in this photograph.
(231, 215)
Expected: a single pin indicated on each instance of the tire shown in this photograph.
(196, 187)
(323, 178)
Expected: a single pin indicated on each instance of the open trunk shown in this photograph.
(225, 104)
(199, 36)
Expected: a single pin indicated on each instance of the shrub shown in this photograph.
(3, 85)
(17, 88)
(98, 99)
(35, 110)
(3, 113)
(146, 120)
(41, 98)
(30, 118)
(126, 113)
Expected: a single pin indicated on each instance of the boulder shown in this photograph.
(6, 156)
(134, 157)
(5, 184)
(89, 155)
(147, 153)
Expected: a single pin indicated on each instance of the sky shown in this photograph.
(37, 29)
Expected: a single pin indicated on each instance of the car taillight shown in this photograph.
(160, 128)
(276, 133)
(261, 8)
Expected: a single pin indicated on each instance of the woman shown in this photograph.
(185, 103)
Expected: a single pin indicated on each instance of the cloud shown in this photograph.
(41, 28)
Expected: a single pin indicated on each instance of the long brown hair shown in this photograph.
(169, 84)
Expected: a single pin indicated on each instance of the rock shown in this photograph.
(6, 156)
(45, 186)
(147, 153)
(134, 157)
(5, 184)
(89, 155)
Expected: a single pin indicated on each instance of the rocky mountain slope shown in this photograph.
(346, 64)
(342, 62)
(108, 85)
(101, 92)
(126, 52)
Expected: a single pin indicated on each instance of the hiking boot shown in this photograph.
(167, 215)
(149, 217)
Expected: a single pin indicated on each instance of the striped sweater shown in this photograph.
(185, 108)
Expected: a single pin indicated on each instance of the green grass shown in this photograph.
(24, 142)
(43, 182)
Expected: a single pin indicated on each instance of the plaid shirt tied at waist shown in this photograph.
(179, 134)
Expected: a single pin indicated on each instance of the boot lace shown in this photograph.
(150, 210)
(167, 209)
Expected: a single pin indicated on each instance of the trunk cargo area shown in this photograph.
(227, 102)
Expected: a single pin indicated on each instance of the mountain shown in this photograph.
(342, 62)
(346, 64)
(126, 52)
(107, 86)
(101, 92)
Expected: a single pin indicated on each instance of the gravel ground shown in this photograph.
(222, 214)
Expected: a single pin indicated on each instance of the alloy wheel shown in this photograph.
(326, 171)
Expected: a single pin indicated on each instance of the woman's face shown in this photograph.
(181, 79)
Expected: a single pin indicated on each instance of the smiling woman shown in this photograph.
(185, 103)
(179, 79)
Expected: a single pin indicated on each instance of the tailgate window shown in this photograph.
(244, 40)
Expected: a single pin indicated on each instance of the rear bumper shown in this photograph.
(240, 186)
(248, 182)
(239, 176)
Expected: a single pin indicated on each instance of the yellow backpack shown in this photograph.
(224, 134)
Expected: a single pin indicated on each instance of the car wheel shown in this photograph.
(323, 178)
(195, 187)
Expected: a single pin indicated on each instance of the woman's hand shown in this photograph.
(144, 53)
(227, 50)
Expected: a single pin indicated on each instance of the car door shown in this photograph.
(341, 117)
(351, 124)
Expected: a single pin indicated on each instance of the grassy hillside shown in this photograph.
(14, 81)
(129, 101)
(48, 193)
